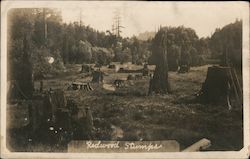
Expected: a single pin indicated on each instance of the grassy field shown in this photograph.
(175, 116)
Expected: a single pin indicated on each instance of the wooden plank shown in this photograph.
(200, 145)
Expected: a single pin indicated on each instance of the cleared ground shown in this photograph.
(175, 116)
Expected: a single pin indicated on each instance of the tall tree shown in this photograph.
(228, 38)
(180, 40)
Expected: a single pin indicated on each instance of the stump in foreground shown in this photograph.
(215, 87)
(220, 86)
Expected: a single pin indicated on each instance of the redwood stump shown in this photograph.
(216, 86)
(159, 84)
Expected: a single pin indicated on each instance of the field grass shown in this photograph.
(175, 116)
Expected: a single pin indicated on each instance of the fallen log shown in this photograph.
(200, 145)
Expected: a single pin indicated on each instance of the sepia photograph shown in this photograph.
(124, 77)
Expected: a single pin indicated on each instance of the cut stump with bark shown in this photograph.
(220, 86)
(159, 84)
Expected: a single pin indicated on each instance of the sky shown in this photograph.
(138, 17)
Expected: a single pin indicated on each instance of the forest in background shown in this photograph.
(75, 43)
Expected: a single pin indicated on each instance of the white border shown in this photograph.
(244, 153)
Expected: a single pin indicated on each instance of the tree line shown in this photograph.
(183, 47)
(228, 40)
(47, 36)
(41, 33)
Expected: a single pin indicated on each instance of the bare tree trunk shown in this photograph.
(159, 83)
(25, 80)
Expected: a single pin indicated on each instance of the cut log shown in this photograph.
(200, 145)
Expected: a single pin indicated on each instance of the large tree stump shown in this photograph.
(159, 83)
(217, 85)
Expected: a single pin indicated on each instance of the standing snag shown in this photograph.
(24, 81)
(159, 83)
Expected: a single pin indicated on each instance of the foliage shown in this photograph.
(102, 56)
(228, 40)
(83, 53)
(77, 43)
(41, 66)
(178, 42)
(27, 34)
(118, 51)
(126, 55)
(173, 55)
(140, 50)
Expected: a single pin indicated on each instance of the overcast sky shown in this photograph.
(138, 17)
